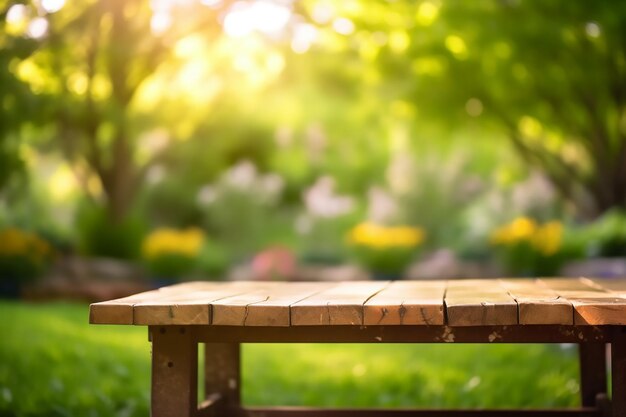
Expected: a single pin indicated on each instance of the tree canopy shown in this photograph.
(127, 89)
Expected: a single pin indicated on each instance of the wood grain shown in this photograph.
(538, 304)
(174, 373)
(120, 311)
(406, 302)
(615, 286)
(338, 305)
(479, 303)
(269, 306)
(592, 304)
(466, 303)
(193, 306)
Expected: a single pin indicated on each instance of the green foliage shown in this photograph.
(24, 256)
(62, 366)
(21, 268)
(324, 240)
(129, 106)
(607, 235)
(99, 236)
(515, 68)
(522, 260)
(242, 209)
(384, 263)
(170, 265)
(213, 261)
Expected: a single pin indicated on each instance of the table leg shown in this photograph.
(618, 374)
(593, 376)
(222, 375)
(174, 372)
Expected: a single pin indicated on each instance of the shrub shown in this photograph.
(607, 236)
(99, 236)
(385, 250)
(526, 247)
(23, 255)
(172, 253)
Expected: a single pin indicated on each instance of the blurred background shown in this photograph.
(147, 142)
(157, 141)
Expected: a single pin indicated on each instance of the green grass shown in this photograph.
(52, 363)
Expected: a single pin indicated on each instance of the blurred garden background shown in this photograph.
(145, 142)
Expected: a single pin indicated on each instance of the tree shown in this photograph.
(551, 76)
(17, 102)
(89, 66)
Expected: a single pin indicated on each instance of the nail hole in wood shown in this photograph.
(170, 364)
(162, 329)
(182, 330)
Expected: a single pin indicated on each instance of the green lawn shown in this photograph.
(52, 363)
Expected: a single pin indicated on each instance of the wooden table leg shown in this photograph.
(618, 374)
(593, 376)
(174, 372)
(223, 376)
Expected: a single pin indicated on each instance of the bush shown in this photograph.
(385, 250)
(607, 236)
(23, 255)
(172, 253)
(213, 260)
(527, 248)
(99, 236)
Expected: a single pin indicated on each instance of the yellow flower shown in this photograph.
(520, 229)
(165, 241)
(548, 238)
(16, 242)
(383, 237)
(545, 239)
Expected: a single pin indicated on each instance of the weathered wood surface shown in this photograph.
(407, 302)
(269, 306)
(121, 310)
(475, 302)
(479, 303)
(339, 305)
(537, 303)
(592, 303)
(194, 306)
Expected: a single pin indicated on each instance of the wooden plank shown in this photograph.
(479, 303)
(265, 306)
(191, 306)
(538, 304)
(592, 304)
(338, 305)
(407, 334)
(120, 311)
(613, 285)
(174, 373)
(406, 302)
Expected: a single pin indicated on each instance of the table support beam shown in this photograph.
(222, 375)
(174, 372)
(321, 412)
(593, 372)
(618, 374)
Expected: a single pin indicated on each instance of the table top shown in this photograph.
(474, 302)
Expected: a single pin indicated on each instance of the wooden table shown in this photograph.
(588, 312)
